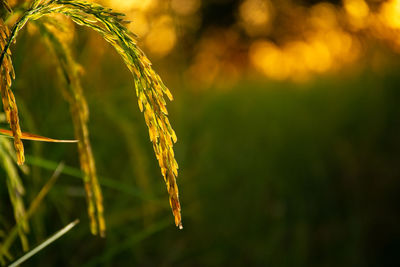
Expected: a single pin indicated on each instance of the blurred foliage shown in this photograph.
(288, 122)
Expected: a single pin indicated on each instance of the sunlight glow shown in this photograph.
(162, 38)
(280, 39)
(390, 13)
(185, 7)
(357, 11)
(356, 8)
(132, 4)
(256, 16)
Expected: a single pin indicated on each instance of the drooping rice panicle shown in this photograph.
(7, 96)
(72, 90)
(149, 87)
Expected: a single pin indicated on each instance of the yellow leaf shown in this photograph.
(34, 137)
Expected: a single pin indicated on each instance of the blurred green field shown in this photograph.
(271, 174)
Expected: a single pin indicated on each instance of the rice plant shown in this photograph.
(148, 85)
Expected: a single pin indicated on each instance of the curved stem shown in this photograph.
(12, 36)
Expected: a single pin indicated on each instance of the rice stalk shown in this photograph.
(72, 91)
(34, 205)
(149, 87)
(15, 187)
(15, 191)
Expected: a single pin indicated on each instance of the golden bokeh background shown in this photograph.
(281, 40)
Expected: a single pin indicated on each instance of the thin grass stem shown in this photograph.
(47, 242)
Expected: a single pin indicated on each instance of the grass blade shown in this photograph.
(47, 242)
(32, 208)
